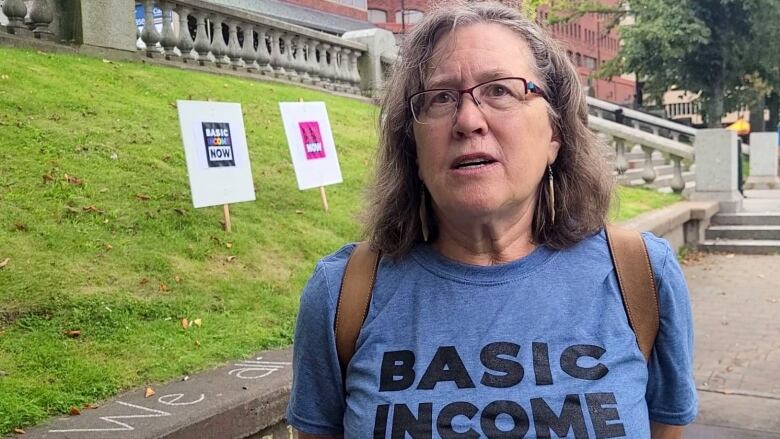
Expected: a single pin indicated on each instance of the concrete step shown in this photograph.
(750, 247)
(756, 232)
(746, 219)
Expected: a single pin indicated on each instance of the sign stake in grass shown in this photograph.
(217, 154)
(312, 149)
(226, 212)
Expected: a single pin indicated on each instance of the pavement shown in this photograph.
(736, 309)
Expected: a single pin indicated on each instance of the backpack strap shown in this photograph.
(637, 284)
(354, 298)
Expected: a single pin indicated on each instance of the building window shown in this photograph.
(410, 16)
(377, 16)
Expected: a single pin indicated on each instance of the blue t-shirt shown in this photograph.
(538, 347)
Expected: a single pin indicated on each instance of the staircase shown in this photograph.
(756, 230)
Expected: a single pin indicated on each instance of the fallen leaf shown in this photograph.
(143, 281)
(197, 322)
(4, 262)
(91, 208)
(107, 61)
(47, 177)
(74, 180)
(91, 406)
(197, 343)
(299, 212)
(230, 258)
(71, 209)
(74, 333)
(74, 411)
(108, 246)
(20, 227)
(166, 158)
(229, 244)
(180, 211)
(185, 323)
(103, 190)
(163, 287)
(149, 392)
(177, 279)
(172, 104)
(143, 197)
(19, 430)
(5, 77)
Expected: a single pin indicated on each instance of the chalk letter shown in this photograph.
(391, 369)
(600, 415)
(511, 371)
(448, 413)
(404, 422)
(571, 418)
(511, 408)
(446, 366)
(572, 354)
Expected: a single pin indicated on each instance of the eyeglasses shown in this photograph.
(500, 95)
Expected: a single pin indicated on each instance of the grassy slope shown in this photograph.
(101, 272)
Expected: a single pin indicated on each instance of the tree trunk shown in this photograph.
(715, 104)
(757, 116)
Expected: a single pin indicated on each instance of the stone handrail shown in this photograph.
(206, 35)
(278, 49)
(639, 120)
(620, 134)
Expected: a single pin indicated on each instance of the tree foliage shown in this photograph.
(728, 50)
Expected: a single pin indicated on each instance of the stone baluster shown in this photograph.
(233, 47)
(277, 61)
(263, 56)
(292, 75)
(354, 73)
(313, 63)
(218, 46)
(185, 39)
(621, 164)
(648, 174)
(168, 39)
(678, 182)
(324, 66)
(149, 34)
(248, 52)
(138, 40)
(344, 70)
(675, 136)
(300, 59)
(42, 16)
(202, 44)
(335, 51)
(15, 11)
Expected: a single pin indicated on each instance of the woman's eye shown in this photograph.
(442, 98)
(496, 90)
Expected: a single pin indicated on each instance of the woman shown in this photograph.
(496, 312)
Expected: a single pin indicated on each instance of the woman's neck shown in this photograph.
(486, 241)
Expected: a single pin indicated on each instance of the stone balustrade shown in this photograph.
(621, 134)
(207, 35)
(642, 121)
(204, 35)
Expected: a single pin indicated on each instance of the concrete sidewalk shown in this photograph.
(736, 308)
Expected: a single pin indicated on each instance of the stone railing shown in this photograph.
(641, 121)
(235, 39)
(202, 34)
(620, 134)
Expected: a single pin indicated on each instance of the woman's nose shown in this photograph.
(469, 118)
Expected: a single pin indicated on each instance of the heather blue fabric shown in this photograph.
(538, 347)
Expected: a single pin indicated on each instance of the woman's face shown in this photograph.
(517, 145)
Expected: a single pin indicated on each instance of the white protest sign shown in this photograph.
(216, 151)
(311, 144)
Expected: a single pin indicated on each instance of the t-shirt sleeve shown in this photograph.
(317, 398)
(671, 390)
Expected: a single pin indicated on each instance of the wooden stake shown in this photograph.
(226, 211)
(324, 198)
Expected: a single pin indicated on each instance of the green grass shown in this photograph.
(631, 202)
(127, 274)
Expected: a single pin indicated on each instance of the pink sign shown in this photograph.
(312, 140)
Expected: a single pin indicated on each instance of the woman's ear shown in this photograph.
(555, 146)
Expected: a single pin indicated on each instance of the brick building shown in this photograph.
(585, 40)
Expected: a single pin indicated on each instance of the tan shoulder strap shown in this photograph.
(354, 298)
(637, 284)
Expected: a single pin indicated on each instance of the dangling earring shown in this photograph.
(423, 215)
(551, 192)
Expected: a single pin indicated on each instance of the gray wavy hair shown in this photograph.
(583, 186)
